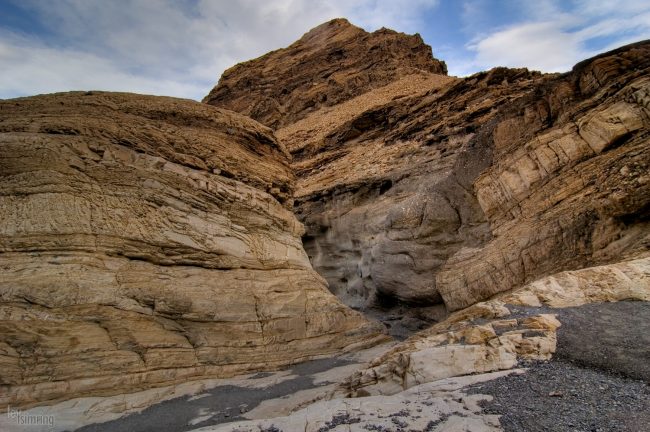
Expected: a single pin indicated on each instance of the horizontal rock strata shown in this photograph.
(148, 240)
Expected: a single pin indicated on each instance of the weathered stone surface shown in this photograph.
(438, 406)
(147, 241)
(568, 186)
(433, 189)
(490, 336)
(384, 196)
(201, 402)
(328, 65)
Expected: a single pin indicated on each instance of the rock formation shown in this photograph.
(495, 335)
(434, 189)
(330, 64)
(508, 196)
(568, 184)
(386, 201)
(149, 240)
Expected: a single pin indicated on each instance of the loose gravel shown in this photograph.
(599, 381)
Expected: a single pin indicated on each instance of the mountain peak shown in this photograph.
(331, 63)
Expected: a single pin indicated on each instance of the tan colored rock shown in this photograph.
(461, 346)
(425, 189)
(456, 190)
(147, 241)
(563, 196)
(412, 207)
(376, 187)
(379, 192)
(86, 411)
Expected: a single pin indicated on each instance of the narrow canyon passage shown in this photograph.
(340, 237)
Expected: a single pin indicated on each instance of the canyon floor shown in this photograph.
(599, 380)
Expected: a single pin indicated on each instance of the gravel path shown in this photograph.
(598, 381)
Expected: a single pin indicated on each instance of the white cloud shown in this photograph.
(541, 46)
(29, 69)
(610, 7)
(166, 46)
(181, 47)
(553, 39)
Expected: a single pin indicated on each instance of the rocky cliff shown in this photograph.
(330, 64)
(518, 200)
(427, 189)
(567, 185)
(149, 240)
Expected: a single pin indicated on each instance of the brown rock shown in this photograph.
(432, 189)
(384, 195)
(145, 241)
(328, 65)
(568, 186)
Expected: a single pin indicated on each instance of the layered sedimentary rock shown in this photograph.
(330, 64)
(435, 189)
(498, 333)
(148, 240)
(568, 184)
(386, 196)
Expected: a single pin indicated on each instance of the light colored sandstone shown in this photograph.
(78, 412)
(437, 406)
(127, 262)
(459, 346)
(571, 197)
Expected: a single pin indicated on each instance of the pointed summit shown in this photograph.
(338, 28)
(329, 64)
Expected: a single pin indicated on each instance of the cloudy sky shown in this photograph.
(180, 47)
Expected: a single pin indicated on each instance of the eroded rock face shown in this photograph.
(434, 189)
(388, 201)
(328, 65)
(148, 240)
(568, 185)
(480, 185)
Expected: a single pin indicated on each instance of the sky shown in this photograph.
(181, 47)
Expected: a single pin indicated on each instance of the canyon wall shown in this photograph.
(568, 185)
(149, 240)
(429, 189)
